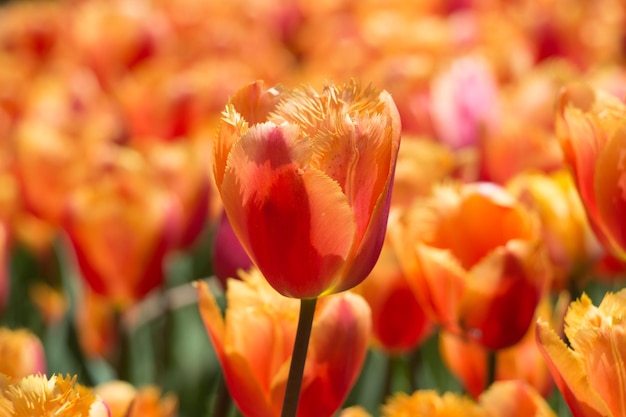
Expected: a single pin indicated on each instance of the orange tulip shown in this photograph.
(514, 398)
(124, 400)
(429, 403)
(38, 395)
(21, 353)
(473, 256)
(180, 168)
(305, 179)
(571, 244)
(254, 343)
(122, 226)
(591, 126)
(468, 360)
(590, 371)
(399, 323)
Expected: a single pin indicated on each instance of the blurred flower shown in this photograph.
(591, 126)
(180, 168)
(514, 398)
(399, 324)
(354, 411)
(96, 324)
(474, 257)
(121, 226)
(124, 400)
(254, 343)
(421, 163)
(468, 360)
(571, 244)
(51, 302)
(589, 370)
(228, 256)
(465, 102)
(305, 179)
(39, 396)
(66, 126)
(427, 403)
(21, 353)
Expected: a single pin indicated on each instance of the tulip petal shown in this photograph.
(515, 398)
(249, 106)
(244, 387)
(597, 333)
(610, 191)
(443, 283)
(500, 300)
(339, 342)
(294, 221)
(566, 367)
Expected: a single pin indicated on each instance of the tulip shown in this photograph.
(591, 127)
(399, 323)
(354, 411)
(21, 353)
(465, 102)
(514, 398)
(589, 371)
(124, 400)
(429, 403)
(38, 395)
(469, 361)
(253, 344)
(121, 227)
(228, 256)
(474, 258)
(179, 167)
(570, 242)
(305, 179)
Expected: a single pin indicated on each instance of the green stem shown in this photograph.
(491, 367)
(300, 347)
(415, 363)
(223, 401)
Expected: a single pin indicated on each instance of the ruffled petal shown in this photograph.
(569, 375)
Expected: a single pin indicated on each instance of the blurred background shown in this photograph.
(108, 109)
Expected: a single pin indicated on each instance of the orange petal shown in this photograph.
(569, 375)
(244, 388)
(294, 222)
(515, 398)
(444, 282)
(610, 192)
(249, 106)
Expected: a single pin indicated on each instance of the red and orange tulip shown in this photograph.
(305, 179)
(468, 360)
(399, 323)
(121, 227)
(590, 372)
(473, 255)
(254, 343)
(591, 126)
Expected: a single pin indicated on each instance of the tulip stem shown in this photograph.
(298, 358)
(491, 367)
